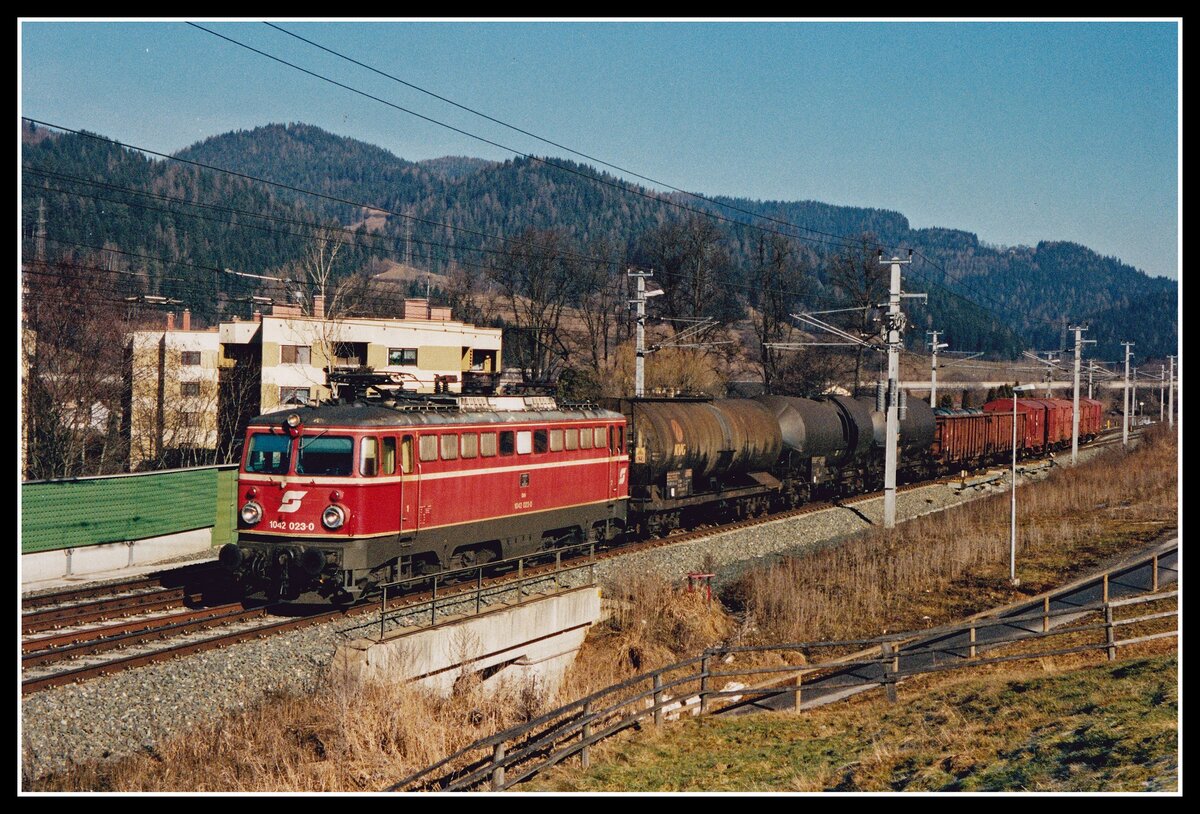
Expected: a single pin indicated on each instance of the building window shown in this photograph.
(350, 354)
(295, 354)
(402, 356)
(189, 419)
(189, 388)
(189, 357)
(294, 395)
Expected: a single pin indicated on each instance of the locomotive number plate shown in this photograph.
(292, 525)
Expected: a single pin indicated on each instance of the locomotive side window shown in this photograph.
(556, 440)
(585, 438)
(571, 437)
(541, 441)
(389, 455)
(406, 455)
(487, 444)
(428, 447)
(269, 454)
(326, 455)
(470, 444)
(368, 457)
(507, 442)
(449, 446)
(601, 434)
(524, 442)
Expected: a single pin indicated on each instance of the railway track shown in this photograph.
(85, 633)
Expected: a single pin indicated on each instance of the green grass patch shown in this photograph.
(1111, 727)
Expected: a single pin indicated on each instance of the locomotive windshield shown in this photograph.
(326, 455)
(269, 453)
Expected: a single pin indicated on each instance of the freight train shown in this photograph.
(338, 498)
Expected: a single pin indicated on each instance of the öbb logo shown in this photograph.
(290, 502)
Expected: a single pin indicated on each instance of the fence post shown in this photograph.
(1110, 633)
(498, 770)
(433, 603)
(1105, 597)
(704, 682)
(972, 655)
(658, 713)
(796, 695)
(382, 611)
(885, 652)
(585, 754)
(1046, 615)
(1154, 573)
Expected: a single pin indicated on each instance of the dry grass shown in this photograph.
(944, 566)
(352, 736)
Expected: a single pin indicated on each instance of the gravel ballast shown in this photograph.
(132, 711)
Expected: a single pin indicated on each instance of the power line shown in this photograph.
(624, 187)
(553, 143)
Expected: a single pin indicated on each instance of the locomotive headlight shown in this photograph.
(251, 513)
(333, 517)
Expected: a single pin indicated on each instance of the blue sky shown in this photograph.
(1017, 131)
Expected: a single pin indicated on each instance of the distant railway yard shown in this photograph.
(126, 713)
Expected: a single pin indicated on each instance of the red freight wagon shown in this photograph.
(974, 438)
(338, 498)
(1091, 418)
(1031, 438)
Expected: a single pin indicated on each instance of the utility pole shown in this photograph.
(639, 302)
(933, 367)
(1171, 394)
(894, 337)
(1162, 382)
(1050, 354)
(1079, 340)
(1125, 417)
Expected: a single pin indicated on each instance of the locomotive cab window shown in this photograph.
(406, 455)
(428, 447)
(540, 441)
(326, 455)
(389, 455)
(507, 442)
(269, 454)
(368, 457)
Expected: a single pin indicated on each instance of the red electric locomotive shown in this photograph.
(338, 498)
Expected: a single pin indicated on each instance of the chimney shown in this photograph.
(170, 320)
(187, 319)
(319, 306)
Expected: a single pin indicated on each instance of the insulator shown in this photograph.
(903, 405)
(880, 396)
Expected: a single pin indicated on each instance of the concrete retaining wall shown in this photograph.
(531, 643)
(93, 559)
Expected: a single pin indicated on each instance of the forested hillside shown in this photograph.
(989, 298)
